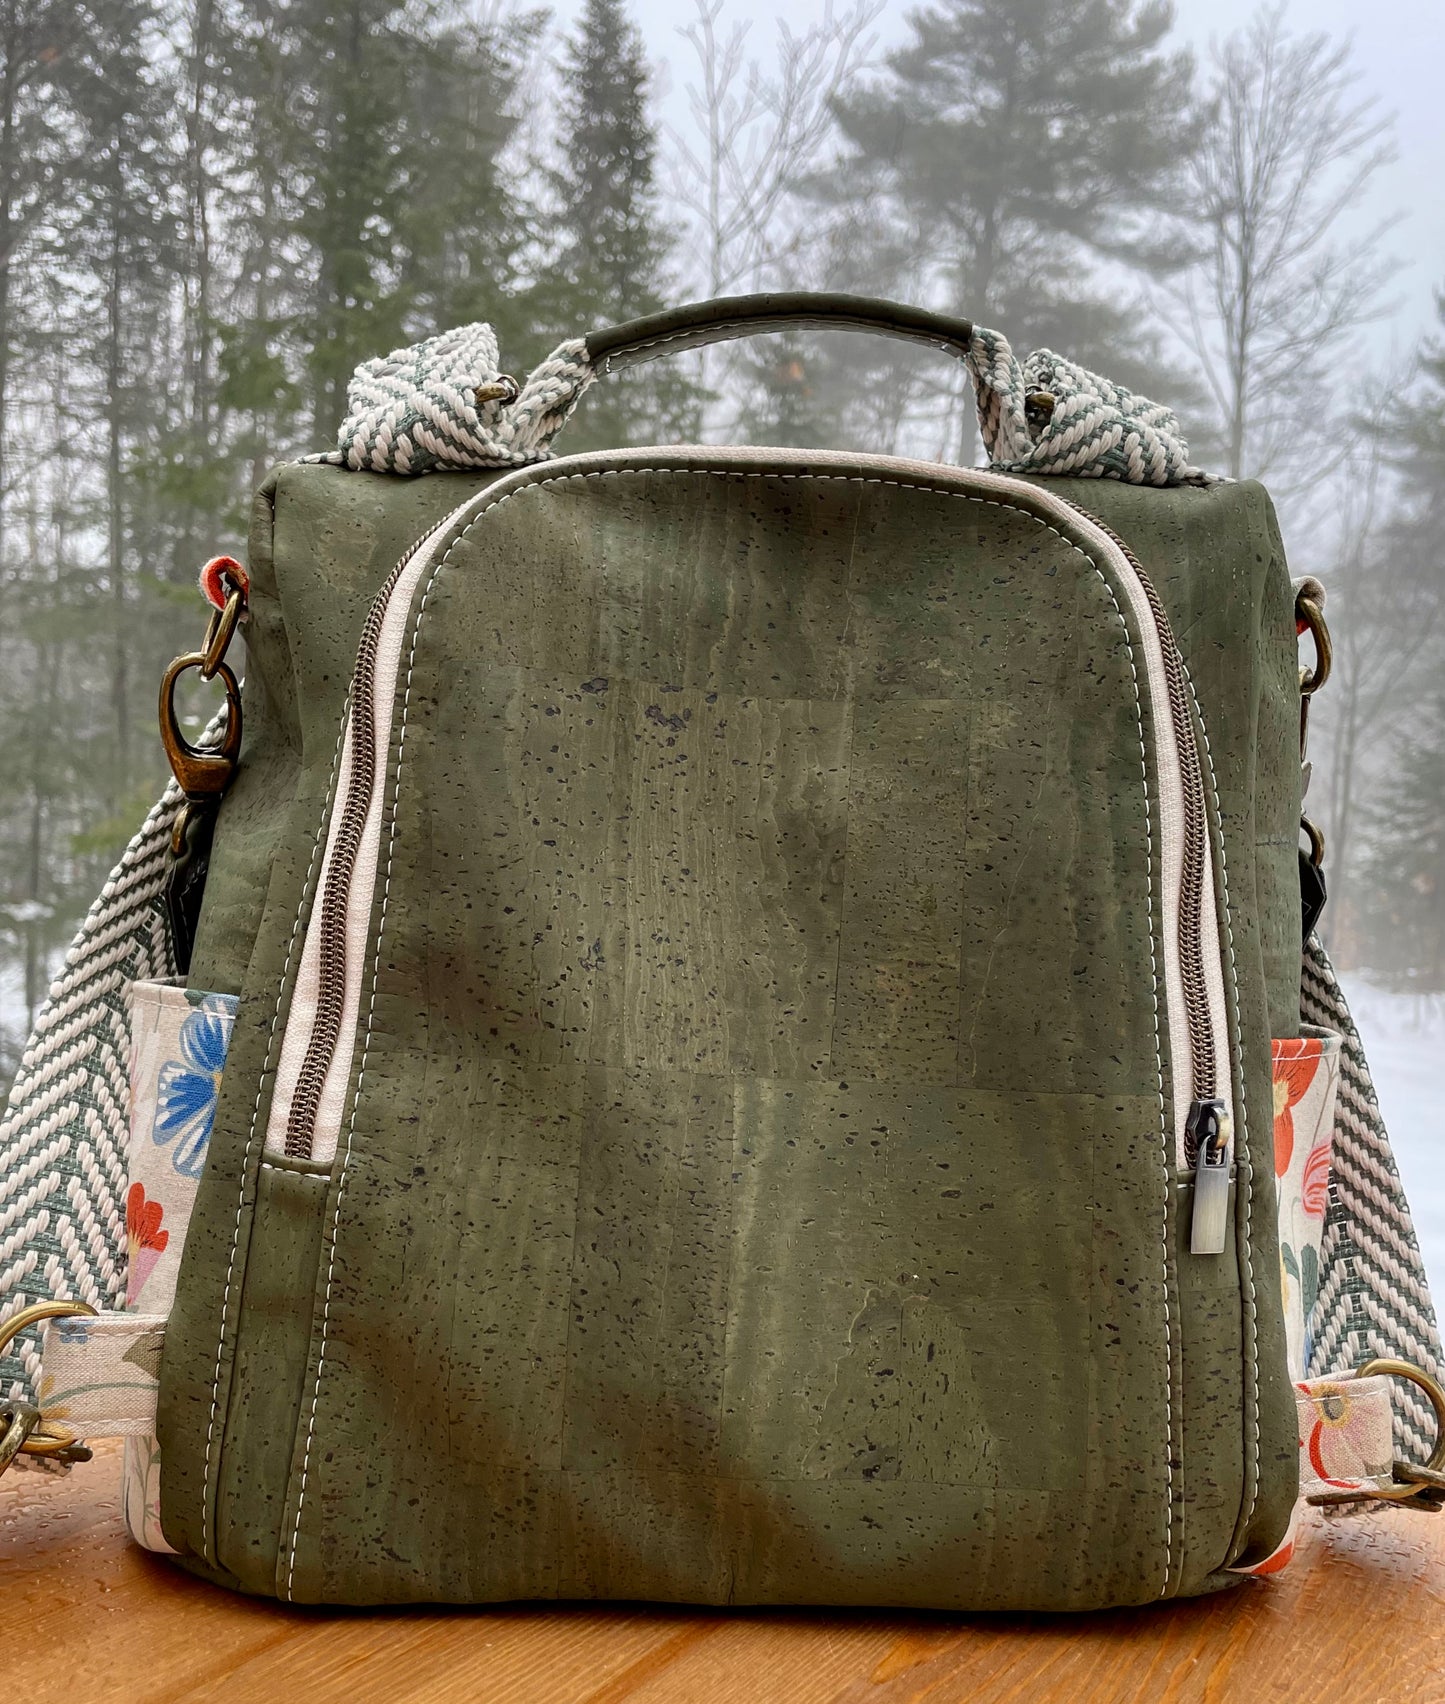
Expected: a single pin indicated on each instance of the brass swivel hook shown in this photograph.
(203, 775)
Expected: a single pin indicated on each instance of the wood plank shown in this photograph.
(1359, 1614)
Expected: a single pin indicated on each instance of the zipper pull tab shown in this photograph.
(1211, 1129)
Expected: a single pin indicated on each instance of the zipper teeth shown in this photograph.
(331, 910)
(1203, 1062)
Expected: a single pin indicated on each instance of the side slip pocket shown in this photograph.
(1306, 1071)
(179, 1041)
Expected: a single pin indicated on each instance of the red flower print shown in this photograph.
(1273, 1564)
(1295, 1063)
(145, 1240)
(1342, 1444)
(1318, 1434)
(1315, 1191)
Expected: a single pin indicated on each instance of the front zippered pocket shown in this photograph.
(318, 1040)
(1208, 1137)
(307, 1114)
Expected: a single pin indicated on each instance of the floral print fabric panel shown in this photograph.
(1306, 1071)
(1306, 1077)
(179, 1039)
(1346, 1438)
(99, 1374)
(1346, 1433)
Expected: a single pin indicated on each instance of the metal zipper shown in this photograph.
(1204, 1067)
(1207, 1126)
(352, 809)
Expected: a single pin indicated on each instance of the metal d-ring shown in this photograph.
(1427, 1487)
(22, 1321)
(1316, 839)
(1310, 618)
(19, 1421)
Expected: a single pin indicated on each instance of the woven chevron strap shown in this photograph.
(445, 403)
(1373, 1297)
(1050, 415)
(66, 1126)
(64, 1135)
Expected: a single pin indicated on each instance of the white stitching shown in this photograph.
(722, 473)
(1244, 1172)
(1165, 1131)
(207, 1540)
(365, 1051)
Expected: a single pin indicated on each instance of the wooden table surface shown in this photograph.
(1358, 1617)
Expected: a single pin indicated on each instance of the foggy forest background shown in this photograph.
(210, 210)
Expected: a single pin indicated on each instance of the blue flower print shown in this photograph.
(187, 1089)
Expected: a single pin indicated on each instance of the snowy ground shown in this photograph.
(1404, 1036)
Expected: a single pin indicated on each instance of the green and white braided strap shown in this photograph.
(1050, 415)
(445, 403)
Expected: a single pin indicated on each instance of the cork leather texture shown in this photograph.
(757, 1188)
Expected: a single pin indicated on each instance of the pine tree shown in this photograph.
(1404, 871)
(469, 228)
(262, 382)
(787, 382)
(348, 134)
(1011, 145)
(376, 210)
(119, 238)
(1402, 891)
(611, 249)
(38, 152)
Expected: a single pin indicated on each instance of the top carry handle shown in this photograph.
(446, 403)
(697, 324)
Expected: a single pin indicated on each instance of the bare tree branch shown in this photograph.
(756, 135)
(1269, 307)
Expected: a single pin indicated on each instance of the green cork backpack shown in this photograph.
(724, 1025)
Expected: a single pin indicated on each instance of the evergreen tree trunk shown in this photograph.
(197, 273)
(9, 167)
(1005, 152)
(18, 169)
(115, 520)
